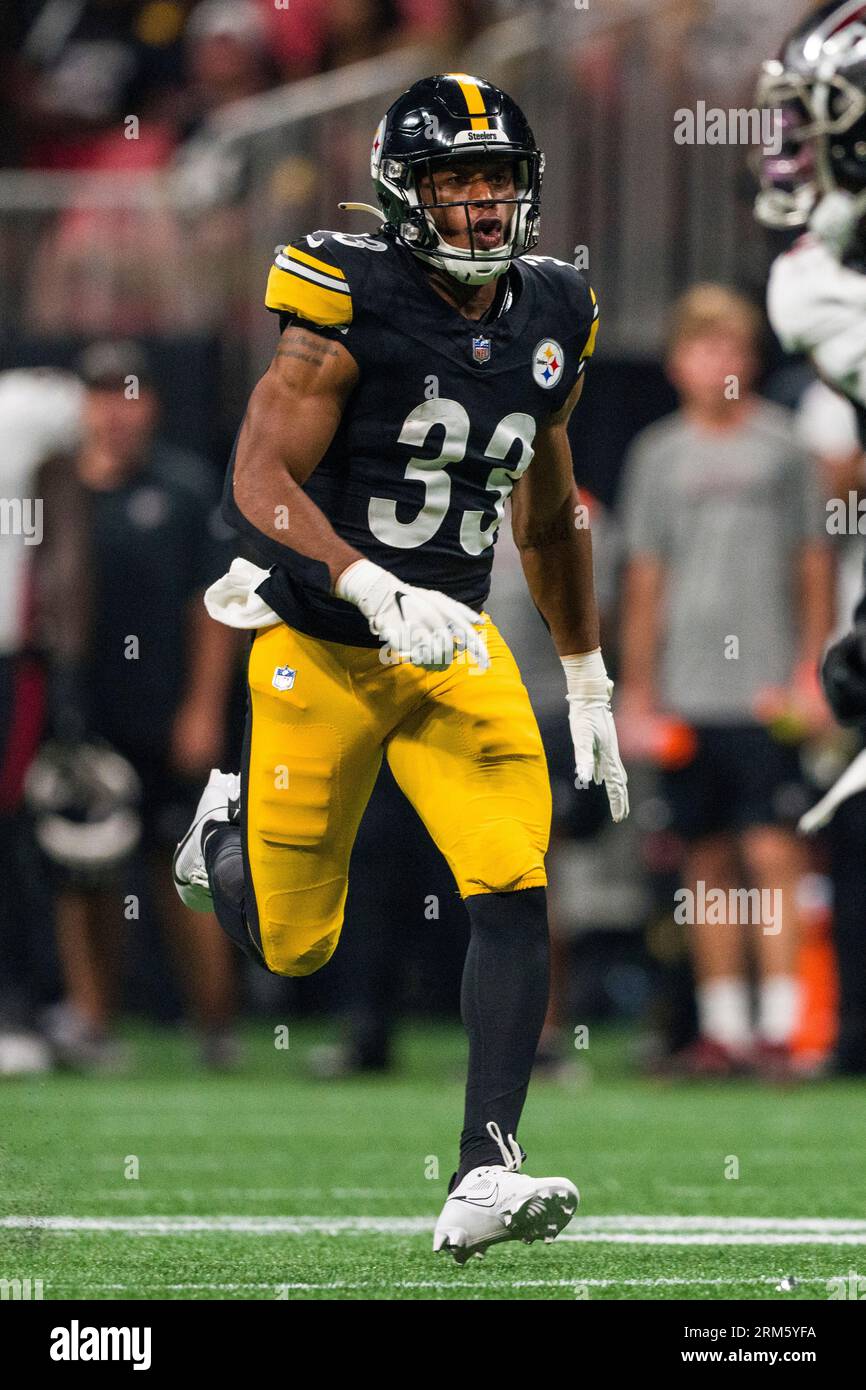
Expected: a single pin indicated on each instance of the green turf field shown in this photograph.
(266, 1184)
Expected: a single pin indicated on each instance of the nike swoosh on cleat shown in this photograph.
(488, 1201)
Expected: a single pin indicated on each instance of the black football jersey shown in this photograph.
(440, 425)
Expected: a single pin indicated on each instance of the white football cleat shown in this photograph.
(219, 802)
(499, 1203)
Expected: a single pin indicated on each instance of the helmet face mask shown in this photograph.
(455, 249)
(789, 177)
(423, 135)
(818, 90)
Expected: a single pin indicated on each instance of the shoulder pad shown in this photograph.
(307, 279)
(322, 276)
(574, 297)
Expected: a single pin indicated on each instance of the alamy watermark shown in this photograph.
(738, 125)
(77, 1343)
(21, 1289)
(846, 516)
(718, 907)
(22, 516)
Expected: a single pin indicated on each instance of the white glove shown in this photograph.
(596, 751)
(420, 625)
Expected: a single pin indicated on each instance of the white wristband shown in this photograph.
(356, 579)
(586, 676)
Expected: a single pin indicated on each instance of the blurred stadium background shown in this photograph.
(153, 154)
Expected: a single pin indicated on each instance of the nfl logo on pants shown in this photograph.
(284, 678)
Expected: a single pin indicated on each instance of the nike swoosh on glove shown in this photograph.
(421, 625)
(593, 733)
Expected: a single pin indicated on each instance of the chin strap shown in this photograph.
(512, 1154)
(362, 207)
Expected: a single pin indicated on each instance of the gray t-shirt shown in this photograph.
(727, 514)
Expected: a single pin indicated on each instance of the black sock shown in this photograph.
(503, 1001)
(224, 860)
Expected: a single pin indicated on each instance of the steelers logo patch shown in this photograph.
(548, 361)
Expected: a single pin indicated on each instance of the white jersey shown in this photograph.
(40, 417)
(818, 306)
(827, 422)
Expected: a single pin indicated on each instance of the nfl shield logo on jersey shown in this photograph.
(284, 678)
(481, 349)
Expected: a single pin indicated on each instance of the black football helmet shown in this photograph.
(818, 87)
(438, 120)
(843, 675)
(82, 797)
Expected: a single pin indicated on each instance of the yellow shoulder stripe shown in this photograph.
(589, 346)
(295, 294)
(295, 254)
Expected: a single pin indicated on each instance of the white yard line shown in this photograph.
(456, 1283)
(205, 1192)
(716, 1238)
(614, 1230)
(227, 1225)
(725, 1223)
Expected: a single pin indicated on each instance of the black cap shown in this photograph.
(109, 361)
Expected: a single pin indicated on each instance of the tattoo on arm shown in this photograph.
(306, 347)
(315, 356)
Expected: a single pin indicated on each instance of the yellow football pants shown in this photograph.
(462, 744)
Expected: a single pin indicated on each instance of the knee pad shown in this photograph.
(300, 927)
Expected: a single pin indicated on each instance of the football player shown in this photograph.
(424, 375)
(816, 302)
(816, 297)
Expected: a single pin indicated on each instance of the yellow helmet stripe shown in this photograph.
(473, 98)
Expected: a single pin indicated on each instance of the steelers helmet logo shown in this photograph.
(376, 150)
(548, 361)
